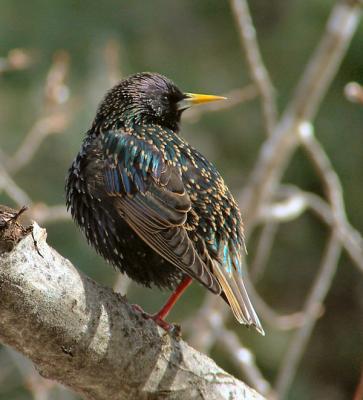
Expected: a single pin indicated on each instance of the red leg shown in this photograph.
(173, 298)
(159, 317)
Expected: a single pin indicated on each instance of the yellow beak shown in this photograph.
(192, 99)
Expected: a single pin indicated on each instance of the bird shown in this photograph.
(151, 204)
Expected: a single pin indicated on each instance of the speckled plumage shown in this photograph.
(150, 203)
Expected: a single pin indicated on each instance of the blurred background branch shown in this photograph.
(16, 60)
(273, 160)
(354, 92)
(257, 69)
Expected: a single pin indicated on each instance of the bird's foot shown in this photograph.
(156, 318)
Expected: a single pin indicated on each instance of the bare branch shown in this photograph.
(38, 211)
(278, 321)
(350, 238)
(326, 60)
(56, 91)
(244, 360)
(55, 118)
(354, 92)
(48, 214)
(314, 300)
(87, 337)
(12, 189)
(269, 167)
(207, 328)
(112, 60)
(17, 59)
(277, 149)
(325, 171)
(199, 327)
(42, 128)
(258, 72)
(263, 250)
(284, 210)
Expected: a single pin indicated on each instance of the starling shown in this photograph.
(151, 204)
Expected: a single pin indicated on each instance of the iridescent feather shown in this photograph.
(153, 205)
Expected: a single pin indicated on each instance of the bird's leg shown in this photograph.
(159, 317)
(173, 299)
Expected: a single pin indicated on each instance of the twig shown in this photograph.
(12, 189)
(48, 214)
(44, 127)
(56, 92)
(350, 238)
(39, 211)
(325, 171)
(284, 210)
(244, 360)
(17, 59)
(323, 281)
(208, 329)
(278, 321)
(263, 250)
(354, 92)
(112, 60)
(55, 119)
(277, 149)
(342, 23)
(199, 327)
(258, 72)
(314, 300)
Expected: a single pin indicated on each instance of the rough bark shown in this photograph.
(89, 338)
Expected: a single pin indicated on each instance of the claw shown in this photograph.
(158, 318)
(155, 317)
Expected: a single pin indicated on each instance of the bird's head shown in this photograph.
(148, 98)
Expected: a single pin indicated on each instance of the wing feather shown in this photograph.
(152, 199)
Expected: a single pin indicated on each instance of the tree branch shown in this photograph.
(90, 339)
(278, 148)
(314, 300)
(271, 163)
(257, 69)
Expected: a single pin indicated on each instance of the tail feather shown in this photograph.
(237, 297)
(246, 300)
